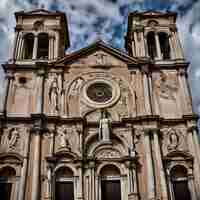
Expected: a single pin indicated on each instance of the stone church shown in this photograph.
(98, 123)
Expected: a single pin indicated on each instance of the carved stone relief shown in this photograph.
(107, 154)
(67, 138)
(174, 140)
(166, 94)
(12, 139)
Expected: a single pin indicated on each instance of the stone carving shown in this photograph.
(174, 140)
(54, 96)
(166, 86)
(108, 153)
(104, 127)
(123, 103)
(13, 139)
(63, 138)
(101, 58)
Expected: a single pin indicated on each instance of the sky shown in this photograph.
(108, 18)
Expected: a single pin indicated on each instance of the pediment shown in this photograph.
(36, 12)
(98, 55)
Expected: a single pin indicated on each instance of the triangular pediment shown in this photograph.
(37, 12)
(98, 54)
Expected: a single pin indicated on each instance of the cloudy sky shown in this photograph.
(109, 19)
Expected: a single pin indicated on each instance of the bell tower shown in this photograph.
(153, 35)
(40, 35)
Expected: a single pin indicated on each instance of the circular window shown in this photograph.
(99, 92)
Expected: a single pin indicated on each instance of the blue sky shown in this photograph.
(88, 18)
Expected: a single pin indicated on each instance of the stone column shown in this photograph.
(35, 47)
(160, 164)
(193, 151)
(15, 43)
(39, 92)
(159, 54)
(92, 180)
(146, 91)
(56, 47)
(172, 48)
(132, 182)
(192, 187)
(149, 163)
(179, 50)
(196, 143)
(4, 94)
(80, 185)
(24, 168)
(19, 46)
(36, 165)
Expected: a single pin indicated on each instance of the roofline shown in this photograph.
(101, 44)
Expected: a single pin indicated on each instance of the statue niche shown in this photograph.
(54, 94)
(73, 97)
(104, 126)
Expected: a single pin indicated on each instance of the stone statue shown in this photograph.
(54, 96)
(104, 126)
(173, 140)
(12, 138)
(63, 140)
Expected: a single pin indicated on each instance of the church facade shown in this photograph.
(98, 123)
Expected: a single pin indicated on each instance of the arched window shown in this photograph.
(164, 45)
(64, 184)
(7, 183)
(151, 43)
(180, 183)
(43, 46)
(28, 46)
(110, 183)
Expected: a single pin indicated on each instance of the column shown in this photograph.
(196, 143)
(183, 75)
(192, 150)
(92, 180)
(172, 48)
(151, 99)
(19, 48)
(179, 50)
(39, 92)
(36, 166)
(24, 169)
(132, 182)
(80, 186)
(15, 43)
(160, 164)
(192, 187)
(57, 45)
(159, 54)
(146, 90)
(4, 94)
(186, 102)
(35, 47)
(149, 164)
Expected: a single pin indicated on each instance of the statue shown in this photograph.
(54, 96)
(173, 140)
(104, 126)
(64, 143)
(12, 138)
